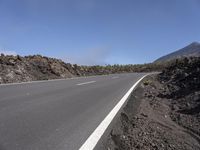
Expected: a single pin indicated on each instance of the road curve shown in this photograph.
(59, 114)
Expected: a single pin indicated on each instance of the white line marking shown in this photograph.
(37, 81)
(86, 83)
(43, 81)
(92, 140)
(115, 77)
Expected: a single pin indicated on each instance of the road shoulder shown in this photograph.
(145, 123)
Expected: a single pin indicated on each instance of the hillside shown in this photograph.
(163, 113)
(192, 50)
(36, 67)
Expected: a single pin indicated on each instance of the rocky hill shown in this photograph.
(18, 69)
(163, 113)
(192, 50)
(182, 88)
(31, 68)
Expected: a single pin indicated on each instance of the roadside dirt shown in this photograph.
(157, 124)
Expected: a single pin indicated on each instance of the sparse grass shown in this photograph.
(147, 82)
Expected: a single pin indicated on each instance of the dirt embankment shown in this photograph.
(168, 117)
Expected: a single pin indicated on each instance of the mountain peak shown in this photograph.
(195, 43)
(192, 50)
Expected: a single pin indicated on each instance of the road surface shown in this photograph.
(59, 114)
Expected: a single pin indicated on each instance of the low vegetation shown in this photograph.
(37, 67)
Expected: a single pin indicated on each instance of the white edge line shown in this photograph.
(62, 79)
(86, 83)
(41, 81)
(93, 139)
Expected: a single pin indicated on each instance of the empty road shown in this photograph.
(59, 114)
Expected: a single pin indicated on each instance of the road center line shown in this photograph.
(85, 83)
(115, 77)
(93, 139)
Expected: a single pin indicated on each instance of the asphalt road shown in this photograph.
(58, 115)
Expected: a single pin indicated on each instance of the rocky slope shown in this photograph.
(163, 112)
(182, 88)
(18, 69)
(29, 68)
(192, 50)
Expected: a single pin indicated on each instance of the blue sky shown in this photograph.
(98, 31)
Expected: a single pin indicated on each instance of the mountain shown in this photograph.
(192, 50)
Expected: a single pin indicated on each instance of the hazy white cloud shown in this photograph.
(8, 52)
(95, 56)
